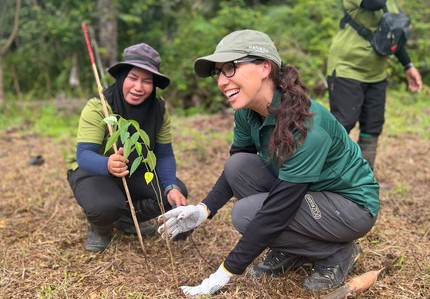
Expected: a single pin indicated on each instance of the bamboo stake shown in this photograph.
(97, 56)
(106, 113)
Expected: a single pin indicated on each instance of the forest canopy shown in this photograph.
(48, 57)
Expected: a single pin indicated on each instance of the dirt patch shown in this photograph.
(42, 230)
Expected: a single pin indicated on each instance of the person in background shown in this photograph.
(302, 185)
(96, 178)
(356, 74)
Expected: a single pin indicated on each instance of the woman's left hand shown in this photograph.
(176, 198)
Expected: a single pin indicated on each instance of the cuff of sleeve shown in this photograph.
(226, 271)
(408, 66)
(208, 212)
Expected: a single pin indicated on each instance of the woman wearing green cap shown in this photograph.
(303, 187)
(96, 177)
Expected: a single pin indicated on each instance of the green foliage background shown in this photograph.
(182, 31)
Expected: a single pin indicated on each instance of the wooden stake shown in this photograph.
(106, 113)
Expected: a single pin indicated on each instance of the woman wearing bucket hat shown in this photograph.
(96, 178)
(304, 190)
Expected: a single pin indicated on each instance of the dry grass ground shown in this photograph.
(42, 229)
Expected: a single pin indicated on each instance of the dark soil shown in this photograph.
(43, 229)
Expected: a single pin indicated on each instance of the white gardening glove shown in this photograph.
(182, 219)
(210, 285)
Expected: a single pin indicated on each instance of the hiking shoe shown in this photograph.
(126, 225)
(326, 277)
(276, 263)
(97, 241)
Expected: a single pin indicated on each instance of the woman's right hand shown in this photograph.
(182, 219)
(117, 165)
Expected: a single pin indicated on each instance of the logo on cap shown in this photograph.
(258, 49)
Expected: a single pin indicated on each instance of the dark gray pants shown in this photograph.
(323, 228)
(104, 200)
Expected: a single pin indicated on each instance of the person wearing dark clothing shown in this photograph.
(356, 74)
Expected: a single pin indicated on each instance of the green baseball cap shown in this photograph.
(236, 45)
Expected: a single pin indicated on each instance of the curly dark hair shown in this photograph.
(292, 115)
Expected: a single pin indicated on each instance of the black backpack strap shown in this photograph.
(363, 31)
(385, 8)
(344, 20)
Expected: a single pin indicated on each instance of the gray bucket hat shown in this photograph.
(145, 57)
(236, 45)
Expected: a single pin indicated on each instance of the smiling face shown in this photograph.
(138, 86)
(249, 88)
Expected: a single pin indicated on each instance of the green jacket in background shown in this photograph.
(351, 56)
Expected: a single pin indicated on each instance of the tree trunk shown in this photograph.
(108, 27)
(5, 48)
(16, 82)
(74, 72)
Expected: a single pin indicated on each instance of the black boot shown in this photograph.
(326, 275)
(126, 225)
(148, 208)
(98, 237)
(278, 262)
(368, 148)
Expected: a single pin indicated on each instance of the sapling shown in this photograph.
(131, 143)
(106, 114)
(136, 143)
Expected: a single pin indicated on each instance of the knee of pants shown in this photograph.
(242, 214)
(230, 166)
(234, 164)
(239, 222)
(104, 214)
(244, 211)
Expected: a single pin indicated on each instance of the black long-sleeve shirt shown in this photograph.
(275, 215)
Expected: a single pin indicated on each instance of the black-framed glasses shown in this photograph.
(228, 69)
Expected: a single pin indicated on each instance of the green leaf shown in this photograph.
(130, 19)
(135, 137)
(148, 177)
(151, 160)
(124, 126)
(144, 137)
(123, 123)
(135, 164)
(124, 136)
(400, 262)
(134, 124)
(111, 141)
(110, 120)
(138, 147)
(127, 148)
